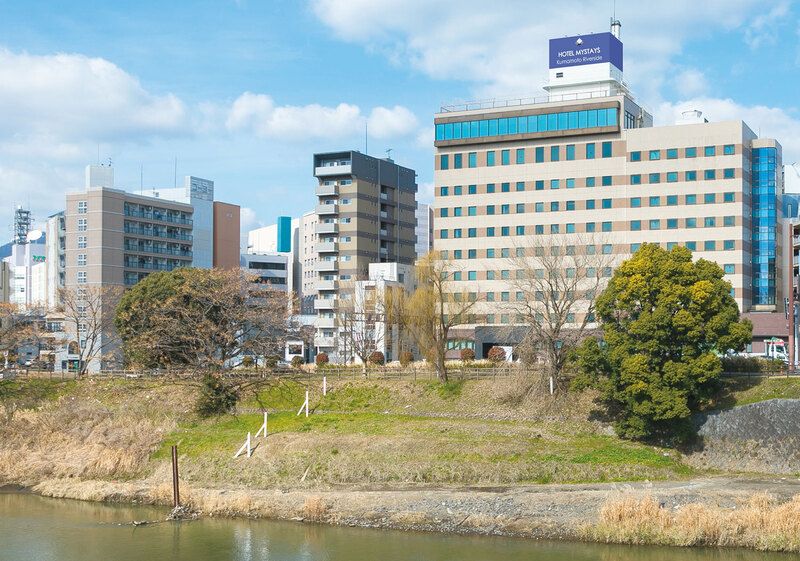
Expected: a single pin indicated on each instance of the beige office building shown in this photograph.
(365, 215)
(585, 166)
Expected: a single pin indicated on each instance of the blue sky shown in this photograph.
(244, 92)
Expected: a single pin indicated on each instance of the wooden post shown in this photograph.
(176, 498)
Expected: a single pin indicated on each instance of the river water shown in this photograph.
(42, 529)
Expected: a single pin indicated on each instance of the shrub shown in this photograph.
(467, 355)
(248, 362)
(216, 398)
(322, 359)
(406, 358)
(272, 361)
(750, 364)
(377, 358)
(496, 355)
(297, 361)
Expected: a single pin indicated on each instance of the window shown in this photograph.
(443, 191)
(539, 207)
(505, 209)
(81, 277)
(570, 205)
(590, 250)
(81, 260)
(457, 276)
(672, 224)
(636, 156)
(570, 228)
(691, 199)
(505, 231)
(472, 275)
(490, 232)
(710, 150)
(570, 151)
(553, 206)
(590, 204)
(490, 187)
(472, 254)
(444, 161)
(606, 226)
(655, 178)
(505, 187)
(571, 183)
(505, 157)
(457, 189)
(457, 161)
(710, 245)
(636, 202)
(489, 275)
(710, 174)
(520, 208)
(728, 173)
(554, 153)
(636, 225)
(606, 180)
(539, 154)
(490, 253)
(590, 151)
(554, 228)
(472, 211)
(728, 149)
(728, 245)
(655, 155)
(490, 209)
(539, 184)
(505, 274)
(490, 158)
(710, 222)
(709, 198)
(607, 248)
(672, 153)
(655, 201)
(635, 247)
(457, 211)
(590, 181)
(456, 232)
(691, 176)
(672, 176)
(606, 149)
(81, 224)
(636, 179)
(729, 221)
(539, 229)
(691, 245)
(490, 317)
(81, 242)
(472, 189)
(605, 203)
(456, 254)
(81, 207)
(520, 230)
(729, 269)
(520, 155)
(655, 224)
(672, 200)
(590, 227)
(554, 183)
(472, 232)
(691, 222)
(490, 297)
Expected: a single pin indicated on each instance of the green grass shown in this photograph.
(741, 390)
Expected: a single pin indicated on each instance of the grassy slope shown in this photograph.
(741, 390)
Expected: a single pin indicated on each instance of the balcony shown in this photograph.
(327, 171)
(325, 285)
(325, 342)
(326, 190)
(327, 209)
(387, 199)
(327, 228)
(327, 247)
(324, 303)
(325, 323)
(327, 266)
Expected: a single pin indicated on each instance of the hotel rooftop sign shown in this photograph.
(585, 49)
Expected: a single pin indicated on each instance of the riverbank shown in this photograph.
(476, 457)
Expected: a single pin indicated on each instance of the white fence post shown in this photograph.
(324, 385)
(245, 446)
(263, 427)
(551, 385)
(304, 406)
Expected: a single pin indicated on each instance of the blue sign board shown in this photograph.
(284, 234)
(585, 49)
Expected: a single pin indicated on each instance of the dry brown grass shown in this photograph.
(314, 509)
(759, 523)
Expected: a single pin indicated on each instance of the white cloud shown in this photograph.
(763, 27)
(691, 83)
(504, 51)
(392, 123)
(425, 192)
(248, 220)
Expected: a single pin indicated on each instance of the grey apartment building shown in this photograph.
(586, 166)
(365, 215)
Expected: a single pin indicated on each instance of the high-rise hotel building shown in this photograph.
(365, 214)
(586, 163)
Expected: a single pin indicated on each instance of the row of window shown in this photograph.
(605, 181)
(565, 120)
(590, 227)
(691, 152)
(589, 204)
(538, 154)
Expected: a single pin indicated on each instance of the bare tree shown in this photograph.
(556, 281)
(436, 307)
(88, 314)
(360, 320)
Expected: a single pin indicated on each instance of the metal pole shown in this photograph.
(176, 498)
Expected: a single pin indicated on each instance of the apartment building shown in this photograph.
(585, 166)
(423, 230)
(365, 215)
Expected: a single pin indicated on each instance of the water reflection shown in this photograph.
(36, 528)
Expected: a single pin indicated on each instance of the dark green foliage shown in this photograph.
(496, 355)
(663, 319)
(752, 364)
(216, 397)
(377, 358)
(406, 358)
